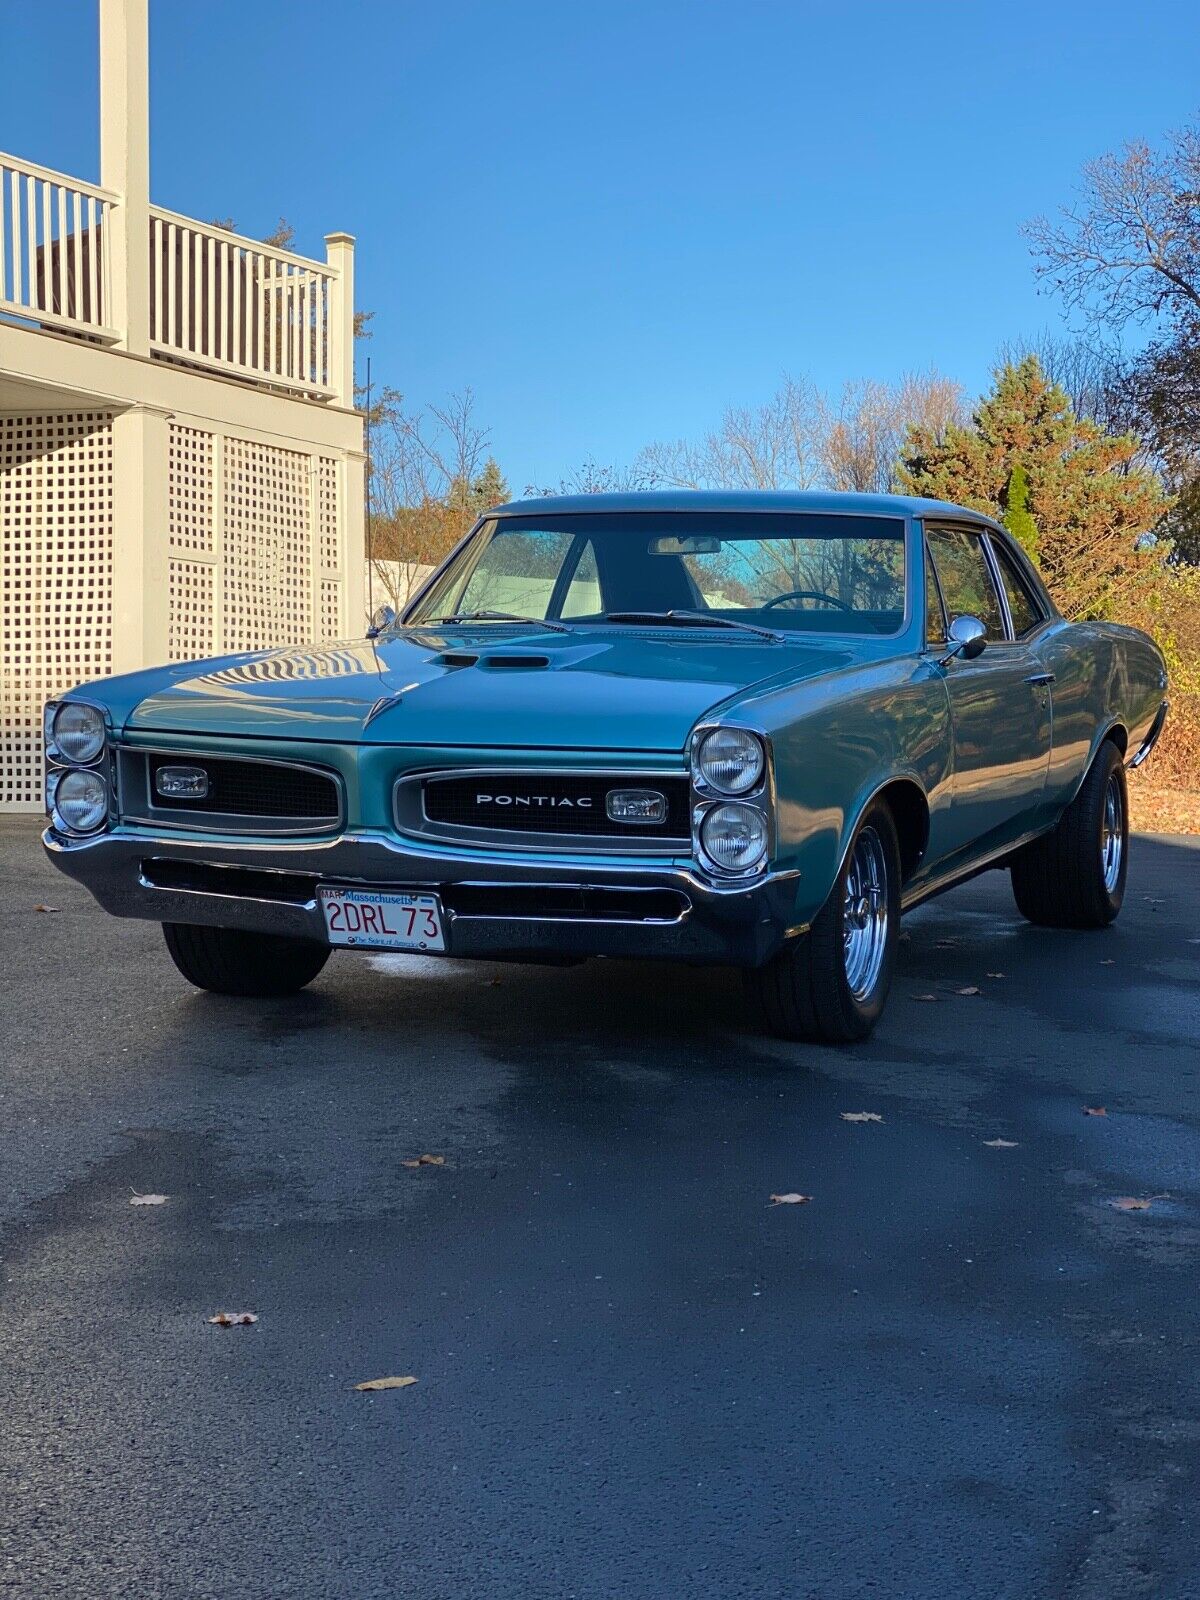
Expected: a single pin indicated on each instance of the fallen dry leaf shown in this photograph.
(926, 997)
(1129, 1203)
(790, 1199)
(383, 1383)
(233, 1319)
(1095, 1111)
(149, 1199)
(1001, 1144)
(47, 909)
(425, 1161)
(970, 989)
(861, 1116)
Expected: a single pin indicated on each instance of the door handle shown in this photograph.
(1040, 679)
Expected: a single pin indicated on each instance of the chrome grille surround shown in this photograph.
(298, 797)
(612, 838)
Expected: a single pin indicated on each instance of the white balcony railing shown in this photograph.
(241, 307)
(54, 257)
(215, 300)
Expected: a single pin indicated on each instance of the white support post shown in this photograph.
(141, 592)
(339, 253)
(125, 167)
(218, 538)
(352, 486)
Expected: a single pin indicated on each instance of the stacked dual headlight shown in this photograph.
(731, 820)
(77, 790)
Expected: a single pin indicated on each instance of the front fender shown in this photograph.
(837, 742)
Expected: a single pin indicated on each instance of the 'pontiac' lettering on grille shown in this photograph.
(581, 802)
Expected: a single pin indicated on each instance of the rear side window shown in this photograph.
(966, 578)
(1022, 607)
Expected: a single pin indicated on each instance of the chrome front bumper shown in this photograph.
(498, 906)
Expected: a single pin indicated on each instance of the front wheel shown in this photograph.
(1075, 876)
(830, 984)
(256, 965)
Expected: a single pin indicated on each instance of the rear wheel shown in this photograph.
(1075, 876)
(229, 961)
(830, 984)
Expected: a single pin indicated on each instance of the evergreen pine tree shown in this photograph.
(490, 488)
(1018, 518)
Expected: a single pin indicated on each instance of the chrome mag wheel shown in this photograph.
(1112, 832)
(865, 916)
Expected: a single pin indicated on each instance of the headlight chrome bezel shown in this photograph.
(753, 817)
(95, 766)
(757, 797)
(87, 755)
(751, 742)
(71, 776)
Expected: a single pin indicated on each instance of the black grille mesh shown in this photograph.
(528, 804)
(251, 789)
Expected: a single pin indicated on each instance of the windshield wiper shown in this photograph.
(701, 619)
(493, 616)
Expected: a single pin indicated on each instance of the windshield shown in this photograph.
(790, 573)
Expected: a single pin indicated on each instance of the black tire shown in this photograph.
(228, 961)
(805, 992)
(1065, 879)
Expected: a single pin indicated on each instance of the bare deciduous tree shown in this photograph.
(425, 475)
(1130, 250)
(772, 446)
(861, 439)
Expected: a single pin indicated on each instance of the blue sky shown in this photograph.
(613, 219)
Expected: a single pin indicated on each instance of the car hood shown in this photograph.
(481, 688)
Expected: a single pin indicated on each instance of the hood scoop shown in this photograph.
(493, 662)
(512, 663)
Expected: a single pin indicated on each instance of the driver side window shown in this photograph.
(966, 579)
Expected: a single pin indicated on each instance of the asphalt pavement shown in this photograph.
(958, 1371)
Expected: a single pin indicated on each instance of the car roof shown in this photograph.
(866, 505)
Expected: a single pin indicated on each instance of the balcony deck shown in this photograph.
(217, 301)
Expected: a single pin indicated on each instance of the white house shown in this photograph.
(181, 464)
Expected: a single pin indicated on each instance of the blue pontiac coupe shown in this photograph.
(749, 729)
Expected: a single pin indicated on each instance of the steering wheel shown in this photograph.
(807, 594)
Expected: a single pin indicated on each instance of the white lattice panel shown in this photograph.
(330, 615)
(267, 566)
(190, 630)
(190, 489)
(327, 519)
(55, 577)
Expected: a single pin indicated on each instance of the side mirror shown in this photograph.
(968, 639)
(382, 618)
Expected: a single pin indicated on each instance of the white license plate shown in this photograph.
(379, 920)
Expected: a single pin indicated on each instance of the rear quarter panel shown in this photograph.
(1106, 676)
(836, 740)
